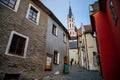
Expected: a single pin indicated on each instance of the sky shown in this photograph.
(80, 10)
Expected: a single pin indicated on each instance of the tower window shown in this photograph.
(72, 19)
(70, 25)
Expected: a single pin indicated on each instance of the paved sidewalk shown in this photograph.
(77, 73)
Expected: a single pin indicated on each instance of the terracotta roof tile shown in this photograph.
(87, 27)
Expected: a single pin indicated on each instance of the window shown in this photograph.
(72, 19)
(95, 60)
(11, 77)
(54, 30)
(56, 57)
(73, 25)
(112, 8)
(17, 45)
(64, 37)
(70, 25)
(91, 8)
(12, 4)
(33, 14)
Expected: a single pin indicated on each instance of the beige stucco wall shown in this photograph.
(91, 47)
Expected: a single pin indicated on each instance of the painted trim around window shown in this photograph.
(38, 14)
(9, 43)
(16, 6)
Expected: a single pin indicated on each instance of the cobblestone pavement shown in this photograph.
(77, 73)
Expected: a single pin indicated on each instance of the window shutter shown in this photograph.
(58, 58)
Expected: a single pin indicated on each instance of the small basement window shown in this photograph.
(11, 77)
(17, 44)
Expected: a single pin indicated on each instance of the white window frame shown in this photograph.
(38, 14)
(9, 43)
(16, 6)
(57, 56)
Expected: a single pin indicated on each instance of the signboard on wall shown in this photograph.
(48, 62)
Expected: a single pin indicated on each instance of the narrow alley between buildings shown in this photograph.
(76, 73)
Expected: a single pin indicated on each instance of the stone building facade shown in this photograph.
(23, 35)
(88, 51)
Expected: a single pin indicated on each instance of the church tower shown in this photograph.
(70, 22)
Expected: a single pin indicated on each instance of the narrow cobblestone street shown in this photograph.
(77, 73)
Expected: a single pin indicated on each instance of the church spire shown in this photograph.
(70, 11)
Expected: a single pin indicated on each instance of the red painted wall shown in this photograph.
(109, 41)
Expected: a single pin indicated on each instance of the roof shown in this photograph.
(44, 8)
(88, 29)
(70, 12)
(79, 31)
(73, 45)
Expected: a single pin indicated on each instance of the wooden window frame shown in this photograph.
(54, 30)
(8, 52)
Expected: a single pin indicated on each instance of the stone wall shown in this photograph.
(32, 66)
